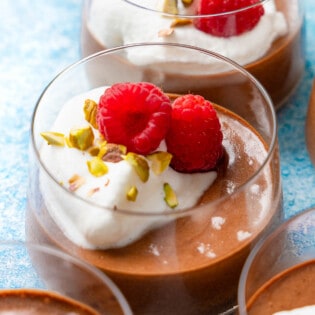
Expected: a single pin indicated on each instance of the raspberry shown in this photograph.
(136, 115)
(229, 24)
(194, 138)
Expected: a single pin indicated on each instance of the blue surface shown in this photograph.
(39, 38)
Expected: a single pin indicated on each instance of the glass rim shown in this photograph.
(52, 251)
(194, 16)
(166, 212)
(267, 239)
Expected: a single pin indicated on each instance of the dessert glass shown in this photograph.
(33, 275)
(310, 125)
(279, 65)
(191, 265)
(281, 269)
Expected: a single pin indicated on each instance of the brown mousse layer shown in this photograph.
(293, 288)
(192, 265)
(39, 302)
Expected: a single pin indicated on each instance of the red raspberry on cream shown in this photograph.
(195, 137)
(136, 115)
(231, 24)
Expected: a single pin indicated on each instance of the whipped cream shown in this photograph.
(306, 310)
(88, 215)
(115, 23)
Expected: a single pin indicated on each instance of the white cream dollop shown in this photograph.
(115, 22)
(87, 215)
(306, 310)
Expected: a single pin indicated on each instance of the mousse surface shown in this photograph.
(39, 302)
(292, 289)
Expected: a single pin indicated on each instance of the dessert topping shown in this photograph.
(180, 22)
(160, 160)
(136, 115)
(139, 164)
(170, 196)
(54, 138)
(132, 193)
(231, 24)
(170, 6)
(132, 116)
(194, 138)
(93, 191)
(139, 182)
(75, 182)
(81, 138)
(165, 32)
(97, 167)
(90, 111)
(187, 2)
(111, 152)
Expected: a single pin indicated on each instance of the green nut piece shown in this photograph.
(54, 138)
(132, 193)
(140, 165)
(94, 150)
(187, 2)
(170, 196)
(90, 111)
(81, 138)
(170, 6)
(97, 167)
(160, 161)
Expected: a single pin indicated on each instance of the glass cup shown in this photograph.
(185, 261)
(40, 279)
(310, 125)
(279, 273)
(273, 50)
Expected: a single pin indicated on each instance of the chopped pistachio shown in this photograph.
(81, 138)
(180, 22)
(75, 182)
(112, 152)
(170, 6)
(94, 150)
(54, 138)
(90, 111)
(132, 193)
(160, 161)
(165, 32)
(93, 191)
(140, 165)
(187, 3)
(97, 167)
(122, 148)
(170, 196)
(68, 142)
(102, 149)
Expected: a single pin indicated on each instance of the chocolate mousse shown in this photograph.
(192, 264)
(279, 70)
(291, 289)
(39, 302)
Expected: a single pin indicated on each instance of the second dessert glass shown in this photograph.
(40, 279)
(190, 261)
(272, 49)
(279, 274)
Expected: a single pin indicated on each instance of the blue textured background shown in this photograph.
(39, 38)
